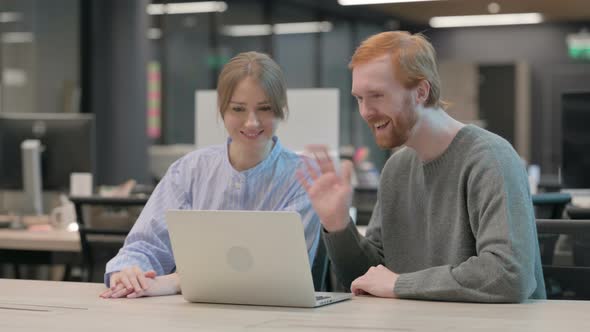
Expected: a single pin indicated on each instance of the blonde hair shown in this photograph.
(264, 70)
(412, 56)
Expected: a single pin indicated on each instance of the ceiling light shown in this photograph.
(187, 8)
(494, 8)
(247, 30)
(17, 37)
(373, 2)
(7, 17)
(485, 20)
(302, 27)
(279, 29)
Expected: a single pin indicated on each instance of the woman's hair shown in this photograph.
(264, 70)
(413, 58)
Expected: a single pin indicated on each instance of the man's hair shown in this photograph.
(412, 56)
(264, 70)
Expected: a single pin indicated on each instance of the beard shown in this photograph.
(400, 127)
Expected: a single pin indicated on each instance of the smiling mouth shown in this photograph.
(252, 135)
(381, 124)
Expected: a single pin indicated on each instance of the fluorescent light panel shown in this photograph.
(302, 27)
(279, 29)
(187, 7)
(8, 17)
(373, 2)
(247, 30)
(17, 37)
(485, 20)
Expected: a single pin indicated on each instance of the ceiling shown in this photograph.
(552, 10)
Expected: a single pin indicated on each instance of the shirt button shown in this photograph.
(237, 185)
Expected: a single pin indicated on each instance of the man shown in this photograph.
(453, 219)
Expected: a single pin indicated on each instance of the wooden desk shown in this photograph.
(54, 240)
(40, 248)
(61, 306)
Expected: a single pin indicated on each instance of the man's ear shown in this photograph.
(422, 92)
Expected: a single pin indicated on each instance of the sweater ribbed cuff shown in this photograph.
(405, 285)
(347, 234)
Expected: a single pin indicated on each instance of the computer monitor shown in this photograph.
(575, 159)
(67, 146)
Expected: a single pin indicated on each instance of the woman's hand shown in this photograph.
(133, 282)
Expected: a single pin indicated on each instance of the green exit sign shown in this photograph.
(578, 45)
(579, 52)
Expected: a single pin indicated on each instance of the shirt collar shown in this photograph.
(267, 163)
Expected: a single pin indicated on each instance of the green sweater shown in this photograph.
(458, 228)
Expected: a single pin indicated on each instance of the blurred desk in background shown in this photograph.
(52, 247)
(51, 240)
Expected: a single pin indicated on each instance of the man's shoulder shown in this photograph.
(400, 164)
(489, 155)
(400, 157)
(482, 145)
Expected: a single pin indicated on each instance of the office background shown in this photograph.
(135, 71)
(110, 58)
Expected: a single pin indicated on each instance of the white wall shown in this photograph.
(314, 118)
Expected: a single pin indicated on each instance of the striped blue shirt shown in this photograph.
(205, 180)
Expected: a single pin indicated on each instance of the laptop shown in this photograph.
(244, 257)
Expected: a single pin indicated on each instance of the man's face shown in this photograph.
(386, 106)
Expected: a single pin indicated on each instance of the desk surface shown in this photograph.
(61, 306)
(53, 240)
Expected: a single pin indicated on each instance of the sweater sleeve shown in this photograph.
(503, 225)
(351, 253)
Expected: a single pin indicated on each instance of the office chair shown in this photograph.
(549, 206)
(577, 212)
(581, 245)
(96, 243)
(101, 239)
(572, 278)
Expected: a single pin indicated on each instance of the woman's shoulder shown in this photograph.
(288, 157)
(208, 155)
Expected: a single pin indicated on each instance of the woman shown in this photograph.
(252, 171)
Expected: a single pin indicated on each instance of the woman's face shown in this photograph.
(249, 119)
